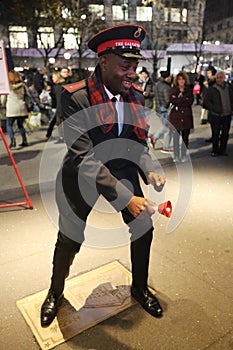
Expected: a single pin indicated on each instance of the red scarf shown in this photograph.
(105, 117)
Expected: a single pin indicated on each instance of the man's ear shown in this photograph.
(103, 62)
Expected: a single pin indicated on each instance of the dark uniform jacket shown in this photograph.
(93, 161)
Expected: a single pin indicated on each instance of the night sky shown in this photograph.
(218, 9)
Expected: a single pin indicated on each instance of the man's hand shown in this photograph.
(140, 206)
(156, 180)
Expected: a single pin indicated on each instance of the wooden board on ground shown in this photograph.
(88, 299)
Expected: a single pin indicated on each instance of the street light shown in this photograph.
(51, 60)
(67, 56)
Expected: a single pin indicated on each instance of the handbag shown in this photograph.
(196, 89)
(35, 120)
(28, 99)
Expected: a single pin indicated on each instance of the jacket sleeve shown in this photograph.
(208, 102)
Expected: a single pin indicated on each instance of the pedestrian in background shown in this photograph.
(46, 102)
(39, 79)
(147, 85)
(210, 81)
(58, 82)
(181, 116)
(199, 79)
(16, 109)
(35, 96)
(219, 102)
(66, 75)
(162, 102)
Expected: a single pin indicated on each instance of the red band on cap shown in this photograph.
(118, 43)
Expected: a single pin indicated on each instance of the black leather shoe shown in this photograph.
(49, 308)
(24, 144)
(203, 121)
(148, 301)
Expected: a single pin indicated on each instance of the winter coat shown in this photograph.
(162, 95)
(212, 100)
(14, 101)
(181, 116)
(82, 152)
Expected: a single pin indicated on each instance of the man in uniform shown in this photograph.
(116, 122)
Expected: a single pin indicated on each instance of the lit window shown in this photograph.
(144, 13)
(18, 36)
(184, 14)
(97, 9)
(45, 37)
(70, 39)
(175, 14)
(118, 14)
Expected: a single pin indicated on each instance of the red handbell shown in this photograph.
(165, 209)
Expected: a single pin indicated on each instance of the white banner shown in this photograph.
(4, 82)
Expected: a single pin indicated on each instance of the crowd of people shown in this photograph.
(35, 94)
(172, 97)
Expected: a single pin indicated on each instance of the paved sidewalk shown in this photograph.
(192, 267)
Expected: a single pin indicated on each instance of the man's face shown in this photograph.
(143, 75)
(118, 72)
(209, 74)
(64, 73)
(220, 78)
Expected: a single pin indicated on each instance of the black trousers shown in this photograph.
(68, 245)
(220, 127)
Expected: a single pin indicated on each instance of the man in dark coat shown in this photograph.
(219, 102)
(106, 143)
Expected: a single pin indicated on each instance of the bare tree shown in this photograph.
(87, 22)
(57, 16)
(156, 32)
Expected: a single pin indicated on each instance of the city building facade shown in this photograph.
(166, 22)
(219, 22)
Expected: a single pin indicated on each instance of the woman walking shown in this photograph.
(16, 109)
(181, 117)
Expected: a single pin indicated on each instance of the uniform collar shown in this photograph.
(110, 95)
